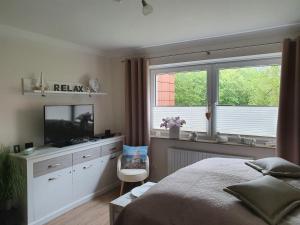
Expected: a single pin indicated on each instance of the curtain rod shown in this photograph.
(209, 51)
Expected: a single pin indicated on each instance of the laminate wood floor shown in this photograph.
(95, 212)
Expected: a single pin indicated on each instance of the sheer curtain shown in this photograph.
(288, 131)
(137, 102)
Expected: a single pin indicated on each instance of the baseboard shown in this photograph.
(73, 205)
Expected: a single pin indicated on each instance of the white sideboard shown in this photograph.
(59, 179)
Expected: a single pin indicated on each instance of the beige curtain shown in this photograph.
(288, 131)
(137, 102)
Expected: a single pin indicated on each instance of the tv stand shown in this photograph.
(76, 141)
(59, 179)
(71, 142)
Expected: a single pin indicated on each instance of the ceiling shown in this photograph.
(108, 25)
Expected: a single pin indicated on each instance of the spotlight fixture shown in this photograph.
(147, 9)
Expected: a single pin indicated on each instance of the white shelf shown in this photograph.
(28, 85)
(38, 92)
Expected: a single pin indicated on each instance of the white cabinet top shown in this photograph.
(48, 152)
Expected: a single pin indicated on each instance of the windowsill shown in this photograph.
(211, 140)
(215, 142)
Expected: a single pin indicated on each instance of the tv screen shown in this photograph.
(68, 124)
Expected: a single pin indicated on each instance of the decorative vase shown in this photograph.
(174, 132)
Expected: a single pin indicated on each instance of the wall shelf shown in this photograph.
(46, 93)
(28, 86)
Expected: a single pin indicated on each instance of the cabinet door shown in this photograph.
(86, 178)
(109, 175)
(52, 192)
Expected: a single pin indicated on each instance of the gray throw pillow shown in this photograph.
(276, 167)
(269, 197)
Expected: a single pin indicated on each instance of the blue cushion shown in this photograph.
(134, 157)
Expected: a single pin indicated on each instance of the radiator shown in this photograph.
(179, 158)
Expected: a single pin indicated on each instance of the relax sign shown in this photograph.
(68, 88)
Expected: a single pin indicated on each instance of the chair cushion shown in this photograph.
(133, 172)
(132, 175)
(275, 166)
(134, 157)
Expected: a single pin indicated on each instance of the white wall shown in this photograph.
(159, 146)
(226, 42)
(21, 117)
(118, 81)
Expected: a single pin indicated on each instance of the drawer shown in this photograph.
(51, 165)
(51, 192)
(111, 148)
(86, 155)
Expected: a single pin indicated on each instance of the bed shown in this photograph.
(194, 196)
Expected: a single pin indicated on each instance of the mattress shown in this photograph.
(194, 196)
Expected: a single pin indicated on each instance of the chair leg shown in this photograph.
(122, 188)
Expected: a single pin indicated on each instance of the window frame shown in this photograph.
(212, 67)
(178, 68)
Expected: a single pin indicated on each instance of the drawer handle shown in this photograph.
(53, 166)
(113, 149)
(87, 167)
(86, 156)
(52, 178)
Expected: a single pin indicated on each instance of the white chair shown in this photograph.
(132, 175)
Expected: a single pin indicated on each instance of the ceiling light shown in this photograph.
(147, 9)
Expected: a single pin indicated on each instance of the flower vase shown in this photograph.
(174, 132)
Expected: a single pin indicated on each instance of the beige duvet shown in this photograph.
(194, 196)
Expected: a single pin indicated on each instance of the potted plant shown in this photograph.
(174, 124)
(11, 179)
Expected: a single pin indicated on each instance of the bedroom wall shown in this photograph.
(159, 146)
(21, 117)
(159, 151)
(232, 41)
(118, 81)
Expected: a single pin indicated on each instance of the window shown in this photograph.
(248, 100)
(181, 93)
(242, 96)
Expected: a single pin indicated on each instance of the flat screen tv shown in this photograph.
(68, 124)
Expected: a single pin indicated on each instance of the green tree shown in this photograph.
(190, 88)
(249, 86)
(237, 86)
(233, 88)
